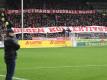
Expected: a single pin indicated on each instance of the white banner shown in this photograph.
(55, 29)
(52, 11)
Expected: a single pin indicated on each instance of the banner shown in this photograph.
(52, 11)
(91, 42)
(55, 29)
(56, 38)
(44, 43)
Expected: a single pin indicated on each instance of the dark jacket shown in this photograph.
(10, 48)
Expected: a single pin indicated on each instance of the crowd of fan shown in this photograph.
(48, 20)
(35, 20)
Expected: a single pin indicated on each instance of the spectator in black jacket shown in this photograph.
(10, 48)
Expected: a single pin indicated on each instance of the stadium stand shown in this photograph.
(48, 20)
(35, 20)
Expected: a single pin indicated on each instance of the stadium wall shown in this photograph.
(60, 43)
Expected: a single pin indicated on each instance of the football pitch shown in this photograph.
(59, 64)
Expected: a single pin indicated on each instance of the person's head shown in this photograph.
(10, 32)
(2, 19)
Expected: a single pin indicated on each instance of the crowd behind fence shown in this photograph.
(35, 20)
(48, 20)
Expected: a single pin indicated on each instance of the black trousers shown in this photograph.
(10, 66)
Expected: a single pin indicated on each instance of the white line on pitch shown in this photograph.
(72, 66)
(14, 78)
(55, 67)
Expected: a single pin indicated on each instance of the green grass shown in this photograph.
(48, 64)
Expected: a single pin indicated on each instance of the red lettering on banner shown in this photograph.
(81, 28)
(17, 30)
(14, 29)
(41, 30)
(55, 29)
(24, 30)
(35, 30)
(59, 29)
(52, 29)
(29, 30)
(94, 28)
(100, 29)
(90, 29)
(105, 28)
(87, 28)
